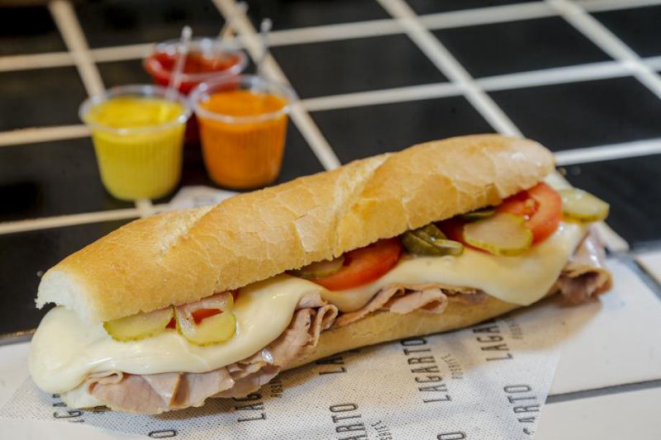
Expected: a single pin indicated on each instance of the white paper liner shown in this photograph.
(196, 196)
(485, 382)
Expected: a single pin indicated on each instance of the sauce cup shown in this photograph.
(207, 58)
(138, 134)
(243, 126)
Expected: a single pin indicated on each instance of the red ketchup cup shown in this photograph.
(207, 58)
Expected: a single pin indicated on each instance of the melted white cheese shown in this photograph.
(80, 397)
(522, 280)
(65, 351)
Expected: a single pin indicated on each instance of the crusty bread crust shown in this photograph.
(386, 326)
(180, 257)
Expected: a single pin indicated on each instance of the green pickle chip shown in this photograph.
(429, 240)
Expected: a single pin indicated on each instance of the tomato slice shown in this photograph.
(520, 204)
(235, 294)
(454, 229)
(364, 265)
(198, 316)
(541, 205)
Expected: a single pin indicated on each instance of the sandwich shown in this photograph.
(171, 310)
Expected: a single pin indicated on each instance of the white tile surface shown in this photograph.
(615, 340)
(631, 416)
(652, 263)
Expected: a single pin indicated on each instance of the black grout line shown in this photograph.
(604, 391)
(17, 337)
(651, 246)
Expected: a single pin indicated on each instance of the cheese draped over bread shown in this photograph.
(65, 350)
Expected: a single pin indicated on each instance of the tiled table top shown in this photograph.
(373, 76)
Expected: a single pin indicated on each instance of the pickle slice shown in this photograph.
(449, 247)
(501, 234)
(140, 326)
(320, 269)
(430, 231)
(583, 206)
(479, 214)
(429, 240)
(212, 330)
(415, 244)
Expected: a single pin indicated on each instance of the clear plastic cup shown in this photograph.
(207, 58)
(243, 126)
(138, 134)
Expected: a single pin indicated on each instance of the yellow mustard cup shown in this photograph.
(138, 134)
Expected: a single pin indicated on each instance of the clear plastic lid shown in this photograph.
(208, 47)
(252, 83)
(138, 91)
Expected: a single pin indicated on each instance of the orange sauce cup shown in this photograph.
(243, 125)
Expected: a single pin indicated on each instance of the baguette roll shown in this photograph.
(181, 257)
(281, 320)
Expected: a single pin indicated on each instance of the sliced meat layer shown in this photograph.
(585, 274)
(156, 393)
(135, 393)
(584, 277)
(403, 299)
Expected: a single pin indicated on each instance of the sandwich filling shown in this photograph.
(277, 321)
